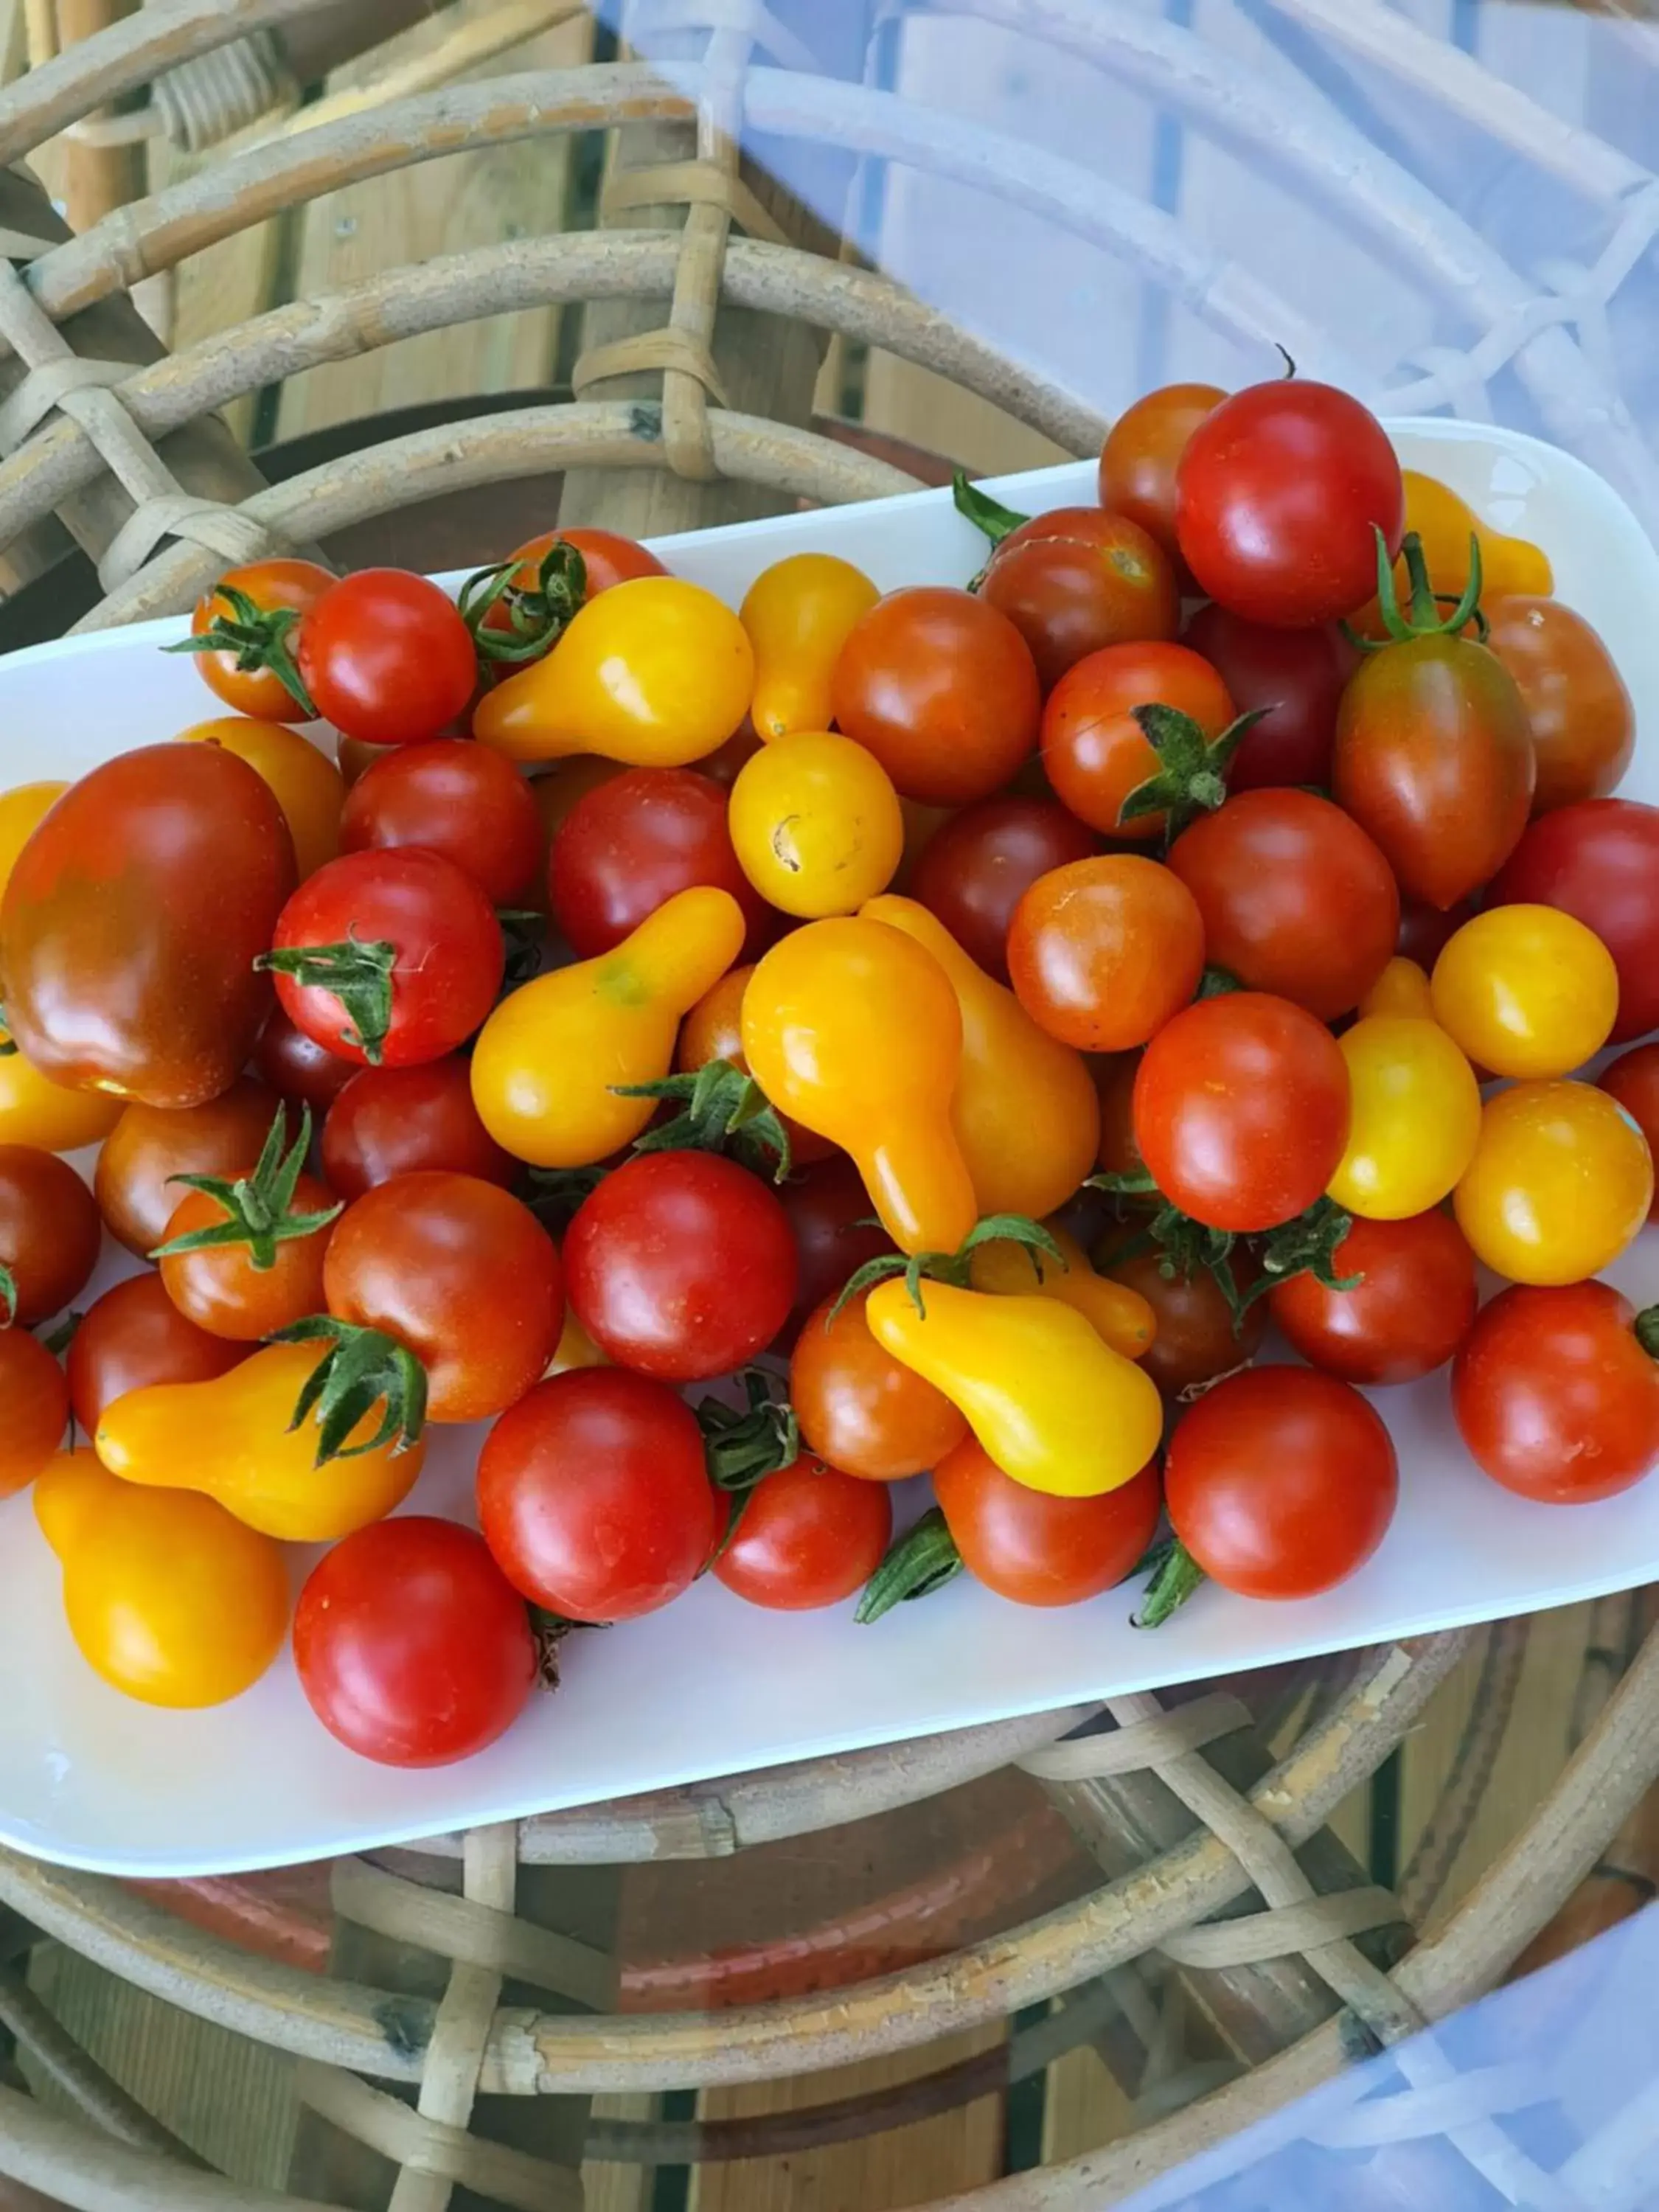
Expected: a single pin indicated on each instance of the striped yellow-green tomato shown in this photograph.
(1526, 991)
(816, 824)
(1559, 1184)
(1416, 1117)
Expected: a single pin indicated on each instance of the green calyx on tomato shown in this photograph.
(740, 1448)
(722, 1109)
(985, 513)
(259, 636)
(555, 1194)
(1647, 1331)
(922, 1560)
(1305, 1245)
(7, 1296)
(1191, 773)
(365, 1367)
(1176, 1574)
(358, 972)
(536, 617)
(258, 1207)
(1424, 617)
(523, 935)
(954, 1268)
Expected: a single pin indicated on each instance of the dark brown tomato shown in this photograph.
(1425, 931)
(1197, 1337)
(1298, 675)
(1582, 718)
(49, 1234)
(393, 1121)
(134, 1336)
(296, 1067)
(149, 1145)
(978, 865)
(1633, 1080)
(1077, 579)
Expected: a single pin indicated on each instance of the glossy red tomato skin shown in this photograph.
(36, 1398)
(1298, 675)
(1142, 453)
(626, 847)
(1413, 1307)
(829, 1219)
(1102, 952)
(608, 558)
(1633, 1080)
(808, 1536)
(1296, 898)
(1599, 861)
(1281, 1482)
(457, 798)
(296, 1067)
(412, 1648)
(1241, 1107)
(132, 921)
(681, 1265)
(450, 955)
(460, 1272)
(975, 868)
(1280, 492)
(1555, 1397)
(861, 1409)
(50, 1232)
(390, 1121)
(1094, 753)
(1036, 1549)
(386, 657)
(1076, 578)
(132, 1336)
(594, 1497)
(942, 688)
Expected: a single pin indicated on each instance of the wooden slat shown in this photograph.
(915, 403)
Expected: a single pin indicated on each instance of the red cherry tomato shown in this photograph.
(1038, 1550)
(1600, 861)
(681, 1265)
(1094, 753)
(1281, 1482)
(860, 1408)
(1296, 899)
(395, 1121)
(50, 1232)
(133, 1336)
(829, 1219)
(1298, 675)
(808, 1536)
(1582, 717)
(1142, 453)
(1077, 579)
(1633, 1080)
(457, 798)
(975, 868)
(386, 657)
(1407, 1316)
(1280, 495)
(608, 558)
(1241, 1110)
(1102, 952)
(594, 1497)
(296, 1067)
(259, 693)
(627, 847)
(411, 1646)
(36, 1401)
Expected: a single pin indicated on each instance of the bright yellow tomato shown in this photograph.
(1416, 1118)
(656, 671)
(34, 1111)
(170, 1600)
(1559, 1184)
(1119, 1317)
(21, 811)
(798, 614)
(308, 788)
(1445, 523)
(1402, 988)
(1526, 991)
(816, 824)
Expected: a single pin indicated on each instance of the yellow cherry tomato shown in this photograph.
(1444, 522)
(1055, 1407)
(307, 785)
(1119, 1317)
(656, 671)
(1526, 991)
(1402, 988)
(21, 811)
(549, 1061)
(816, 824)
(854, 1029)
(1416, 1117)
(1026, 1111)
(1559, 1184)
(232, 1439)
(170, 1600)
(798, 614)
(35, 1111)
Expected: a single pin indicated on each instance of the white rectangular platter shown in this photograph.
(713, 1686)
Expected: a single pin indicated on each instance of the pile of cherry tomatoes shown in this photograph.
(752, 1058)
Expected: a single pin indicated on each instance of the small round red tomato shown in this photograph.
(1296, 898)
(1281, 1482)
(1633, 1080)
(806, 1536)
(296, 1067)
(50, 1232)
(681, 1265)
(394, 1121)
(859, 1407)
(1278, 498)
(942, 688)
(1296, 675)
(978, 864)
(37, 1407)
(149, 1147)
(386, 959)
(1102, 952)
(595, 1497)
(263, 588)
(1077, 579)
(608, 558)
(386, 657)
(223, 1289)
(626, 847)
(461, 1273)
(1407, 1314)
(1094, 753)
(134, 1336)
(830, 1219)
(1197, 1337)
(1242, 1108)
(457, 798)
(412, 1647)
(1556, 1392)
(1038, 1550)
(1582, 717)
(1599, 861)
(1142, 453)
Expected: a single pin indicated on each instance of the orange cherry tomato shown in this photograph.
(1094, 753)
(1104, 950)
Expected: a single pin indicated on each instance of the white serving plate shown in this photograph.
(713, 1686)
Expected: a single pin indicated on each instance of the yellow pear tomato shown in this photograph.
(21, 810)
(307, 785)
(1402, 988)
(1120, 1317)
(1526, 991)
(816, 824)
(1416, 1117)
(1560, 1182)
(35, 1111)
(798, 614)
